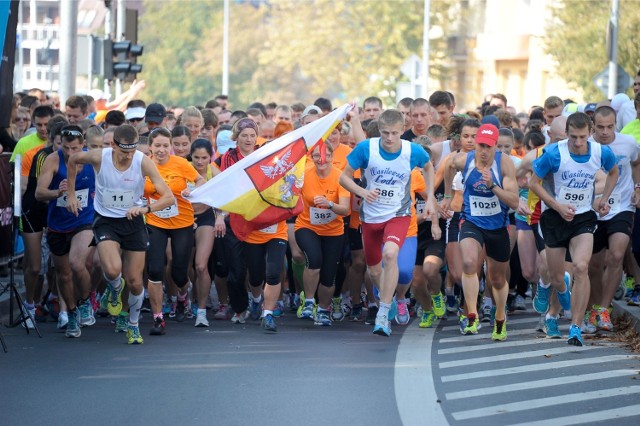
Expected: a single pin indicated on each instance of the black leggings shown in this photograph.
(265, 261)
(321, 252)
(232, 250)
(181, 247)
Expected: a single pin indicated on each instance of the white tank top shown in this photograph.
(392, 180)
(574, 182)
(116, 191)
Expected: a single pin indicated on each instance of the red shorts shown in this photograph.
(374, 235)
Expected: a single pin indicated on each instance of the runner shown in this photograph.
(119, 223)
(490, 189)
(69, 235)
(569, 221)
(386, 164)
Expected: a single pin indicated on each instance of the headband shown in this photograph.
(132, 145)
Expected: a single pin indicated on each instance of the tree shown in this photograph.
(285, 51)
(576, 40)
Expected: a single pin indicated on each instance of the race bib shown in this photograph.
(167, 212)
(614, 202)
(122, 199)
(270, 229)
(420, 207)
(483, 206)
(389, 195)
(82, 196)
(577, 197)
(355, 203)
(321, 216)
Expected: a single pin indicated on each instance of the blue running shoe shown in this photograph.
(393, 309)
(308, 310)
(269, 324)
(382, 326)
(464, 323)
(323, 317)
(255, 308)
(452, 304)
(551, 328)
(279, 310)
(541, 301)
(565, 298)
(575, 336)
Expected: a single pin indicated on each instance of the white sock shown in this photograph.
(135, 303)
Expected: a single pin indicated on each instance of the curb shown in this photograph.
(622, 310)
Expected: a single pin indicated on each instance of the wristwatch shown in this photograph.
(331, 204)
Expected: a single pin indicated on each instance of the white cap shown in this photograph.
(136, 112)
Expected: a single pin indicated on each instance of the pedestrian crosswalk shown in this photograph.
(532, 380)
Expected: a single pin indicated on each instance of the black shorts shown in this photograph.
(34, 220)
(557, 232)
(427, 246)
(206, 218)
(452, 228)
(60, 242)
(495, 241)
(512, 218)
(537, 232)
(620, 223)
(355, 239)
(132, 235)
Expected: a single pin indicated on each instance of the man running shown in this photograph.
(118, 225)
(386, 164)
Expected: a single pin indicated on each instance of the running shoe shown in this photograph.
(122, 320)
(511, 304)
(346, 306)
(499, 333)
(519, 303)
(294, 302)
(28, 314)
(402, 315)
(40, 314)
(551, 328)
(173, 308)
(94, 301)
(464, 323)
(604, 320)
(575, 336)
(587, 327)
(565, 299)
(190, 309)
(438, 304)
(308, 310)
(356, 313)
(255, 308)
(222, 313)
(592, 314)
(382, 326)
(73, 327)
(104, 303)
(240, 318)
(300, 307)
(472, 326)
(86, 314)
(372, 313)
(52, 306)
(541, 324)
(486, 313)
(146, 305)
(133, 335)
(426, 319)
(629, 284)
(336, 309)
(541, 300)
(158, 328)
(179, 312)
(492, 316)
(63, 321)
(201, 318)
(322, 317)
(393, 309)
(279, 310)
(269, 323)
(452, 304)
(634, 299)
(114, 305)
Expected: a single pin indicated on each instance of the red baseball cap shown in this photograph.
(487, 134)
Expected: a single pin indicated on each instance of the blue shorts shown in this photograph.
(406, 260)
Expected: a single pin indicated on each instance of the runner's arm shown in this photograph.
(49, 169)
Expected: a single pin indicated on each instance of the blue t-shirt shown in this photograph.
(358, 158)
(549, 161)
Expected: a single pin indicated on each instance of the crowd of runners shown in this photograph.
(415, 210)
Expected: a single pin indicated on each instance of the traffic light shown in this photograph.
(120, 59)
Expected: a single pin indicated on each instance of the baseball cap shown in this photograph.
(311, 109)
(590, 107)
(155, 113)
(135, 112)
(491, 119)
(224, 142)
(487, 134)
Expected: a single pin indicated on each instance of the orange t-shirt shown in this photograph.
(417, 185)
(27, 160)
(261, 236)
(354, 216)
(320, 220)
(176, 173)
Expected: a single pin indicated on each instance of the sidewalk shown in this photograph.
(622, 310)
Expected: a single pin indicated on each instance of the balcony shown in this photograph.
(39, 32)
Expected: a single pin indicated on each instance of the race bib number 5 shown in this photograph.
(82, 196)
(167, 212)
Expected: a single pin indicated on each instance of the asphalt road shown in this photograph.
(238, 375)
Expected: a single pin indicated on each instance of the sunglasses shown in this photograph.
(21, 119)
(136, 120)
(71, 133)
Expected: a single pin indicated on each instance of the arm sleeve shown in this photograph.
(548, 162)
(608, 158)
(419, 156)
(358, 158)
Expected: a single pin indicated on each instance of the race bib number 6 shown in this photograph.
(82, 196)
(389, 195)
(577, 197)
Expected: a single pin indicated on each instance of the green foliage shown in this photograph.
(576, 40)
(285, 51)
